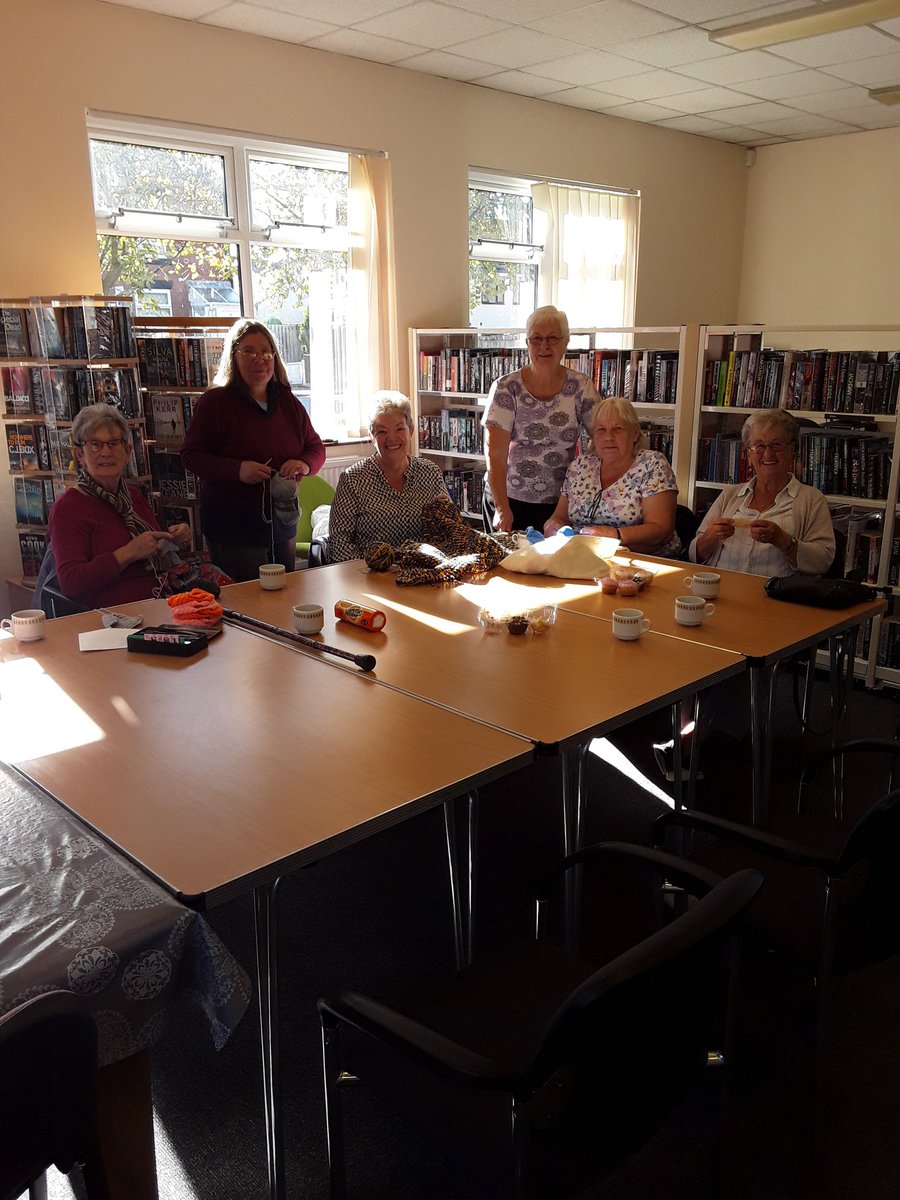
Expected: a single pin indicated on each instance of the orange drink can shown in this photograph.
(372, 619)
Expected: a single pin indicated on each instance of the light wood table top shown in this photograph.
(558, 690)
(223, 771)
(746, 620)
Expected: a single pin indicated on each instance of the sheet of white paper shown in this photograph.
(104, 639)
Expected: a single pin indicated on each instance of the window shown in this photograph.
(224, 226)
(534, 242)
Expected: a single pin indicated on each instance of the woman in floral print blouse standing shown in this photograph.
(532, 424)
(621, 489)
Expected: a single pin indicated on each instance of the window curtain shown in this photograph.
(373, 287)
(590, 252)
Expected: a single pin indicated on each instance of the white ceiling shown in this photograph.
(651, 61)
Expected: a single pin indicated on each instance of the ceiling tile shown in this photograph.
(706, 100)
(871, 72)
(826, 102)
(649, 85)
(606, 23)
(870, 116)
(593, 66)
(514, 48)
(582, 97)
(190, 10)
(673, 49)
(892, 26)
(690, 124)
(365, 45)
(749, 114)
(847, 46)
(516, 12)
(449, 66)
(519, 82)
(739, 134)
(334, 12)
(640, 112)
(284, 27)
(798, 83)
(736, 68)
(696, 11)
(807, 124)
(430, 24)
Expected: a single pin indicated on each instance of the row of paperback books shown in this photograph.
(888, 654)
(457, 431)
(845, 464)
(178, 362)
(172, 481)
(62, 391)
(39, 447)
(721, 459)
(642, 376)
(169, 417)
(82, 329)
(852, 381)
(465, 488)
(34, 499)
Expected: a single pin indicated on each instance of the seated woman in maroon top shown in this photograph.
(108, 546)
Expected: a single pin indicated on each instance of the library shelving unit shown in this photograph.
(841, 382)
(57, 355)
(452, 371)
(178, 357)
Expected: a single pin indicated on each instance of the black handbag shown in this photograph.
(820, 593)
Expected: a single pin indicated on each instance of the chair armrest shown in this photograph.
(416, 1041)
(744, 835)
(695, 879)
(857, 746)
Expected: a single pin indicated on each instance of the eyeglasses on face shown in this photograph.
(775, 447)
(255, 355)
(98, 444)
(535, 339)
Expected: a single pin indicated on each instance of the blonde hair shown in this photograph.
(390, 404)
(228, 373)
(548, 313)
(624, 410)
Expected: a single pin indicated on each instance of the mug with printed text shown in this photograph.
(704, 583)
(27, 625)
(691, 610)
(628, 624)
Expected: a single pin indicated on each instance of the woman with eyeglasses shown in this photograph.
(249, 441)
(106, 542)
(532, 423)
(773, 524)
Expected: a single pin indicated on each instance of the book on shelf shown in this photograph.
(139, 464)
(870, 540)
(17, 390)
(32, 548)
(167, 419)
(171, 479)
(44, 332)
(33, 500)
(21, 442)
(62, 457)
(13, 333)
(118, 387)
(182, 514)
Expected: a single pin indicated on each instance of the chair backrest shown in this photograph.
(314, 490)
(632, 1038)
(48, 1059)
(869, 921)
(686, 525)
(836, 570)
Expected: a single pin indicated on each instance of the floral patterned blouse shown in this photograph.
(543, 433)
(621, 504)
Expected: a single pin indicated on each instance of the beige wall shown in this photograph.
(822, 241)
(62, 58)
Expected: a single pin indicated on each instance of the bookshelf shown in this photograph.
(452, 371)
(57, 355)
(842, 382)
(178, 358)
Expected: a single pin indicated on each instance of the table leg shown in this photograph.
(125, 1121)
(573, 771)
(462, 876)
(265, 903)
(761, 691)
(841, 653)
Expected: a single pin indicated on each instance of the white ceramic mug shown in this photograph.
(27, 625)
(308, 618)
(628, 624)
(691, 610)
(271, 576)
(704, 583)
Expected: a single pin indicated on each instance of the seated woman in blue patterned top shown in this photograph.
(380, 499)
(620, 488)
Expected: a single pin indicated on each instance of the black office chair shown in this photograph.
(48, 1115)
(48, 595)
(686, 525)
(541, 1068)
(831, 901)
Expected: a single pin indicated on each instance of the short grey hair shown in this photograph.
(619, 407)
(548, 313)
(788, 427)
(390, 404)
(93, 417)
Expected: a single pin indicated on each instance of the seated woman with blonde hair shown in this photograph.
(380, 498)
(620, 488)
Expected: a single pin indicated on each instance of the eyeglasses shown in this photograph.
(762, 447)
(551, 339)
(98, 444)
(256, 355)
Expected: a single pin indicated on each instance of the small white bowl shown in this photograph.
(308, 618)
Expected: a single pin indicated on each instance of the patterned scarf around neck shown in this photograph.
(120, 501)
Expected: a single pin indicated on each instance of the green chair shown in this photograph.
(314, 490)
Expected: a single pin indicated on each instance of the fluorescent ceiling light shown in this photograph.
(830, 17)
(886, 95)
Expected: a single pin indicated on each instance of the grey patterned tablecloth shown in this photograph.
(74, 914)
